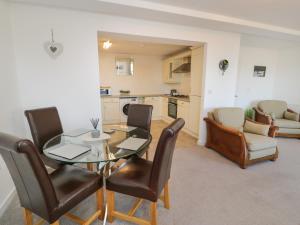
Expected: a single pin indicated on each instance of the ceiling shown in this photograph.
(133, 45)
(270, 18)
(275, 12)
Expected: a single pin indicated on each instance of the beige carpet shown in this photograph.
(207, 189)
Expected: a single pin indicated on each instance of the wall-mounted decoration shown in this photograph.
(124, 66)
(223, 65)
(259, 71)
(54, 49)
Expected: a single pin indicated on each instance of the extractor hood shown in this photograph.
(185, 67)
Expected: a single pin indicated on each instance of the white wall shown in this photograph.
(147, 78)
(11, 120)
(251, 89)
(288, 77)
(69, 82)
(61, 82)
(282, 76)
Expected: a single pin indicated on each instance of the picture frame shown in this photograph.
(259, 71)
(124, 66)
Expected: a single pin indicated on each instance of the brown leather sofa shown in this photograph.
(277, 113)
(226, 134)
(144, 179)
(49, 196)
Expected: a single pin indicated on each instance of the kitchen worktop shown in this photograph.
(186, 99)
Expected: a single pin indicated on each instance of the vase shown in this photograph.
(95, 133)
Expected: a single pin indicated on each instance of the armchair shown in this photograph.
(277, 113)
(227, 135)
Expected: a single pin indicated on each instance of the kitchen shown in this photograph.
(164, 74)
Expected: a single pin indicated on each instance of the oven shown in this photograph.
(172, 108)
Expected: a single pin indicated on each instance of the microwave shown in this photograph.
(105, 91)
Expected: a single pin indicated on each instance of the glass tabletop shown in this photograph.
(98, 150)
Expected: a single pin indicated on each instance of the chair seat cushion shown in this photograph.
(72, 185)
(258, 142)
(289, 131)
(133, 179)
(283, 123)
(261, 153)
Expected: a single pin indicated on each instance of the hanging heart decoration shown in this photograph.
(54, 49)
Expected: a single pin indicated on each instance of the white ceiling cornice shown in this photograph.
(173, 14)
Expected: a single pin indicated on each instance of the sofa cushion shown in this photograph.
(288, 131)
(230, 116)
(257, 142)
(261, 153)
(256, 128)
(291, 116)
(273, 106)
(283, 123)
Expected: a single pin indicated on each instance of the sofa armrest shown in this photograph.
(291, 111)
(261, 117)
(227, 141)
(272, 131)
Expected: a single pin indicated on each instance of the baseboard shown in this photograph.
(200, 142)
(7, 201)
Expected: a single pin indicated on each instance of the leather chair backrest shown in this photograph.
(140, 115)
(33, 184)
(44, 124)
(162, 162)
(230, 116)
(273, 106)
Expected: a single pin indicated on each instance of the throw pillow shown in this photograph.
(291, 116)
(255, 128)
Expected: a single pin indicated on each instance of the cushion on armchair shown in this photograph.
(255, 128)
(230, 116)
(273, 106)
(259, 142)
(283, 123)
(291, 116)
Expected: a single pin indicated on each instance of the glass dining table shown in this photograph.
(102, 151)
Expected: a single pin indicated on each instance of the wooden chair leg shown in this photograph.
(110, 205)
(90, 166)
(28, 217)
(166, 196)
(153, 213)
(55, 223)
(100, 205)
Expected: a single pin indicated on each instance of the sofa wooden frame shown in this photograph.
(231, 143)
(262, 117)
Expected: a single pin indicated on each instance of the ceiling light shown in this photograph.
(107, 44)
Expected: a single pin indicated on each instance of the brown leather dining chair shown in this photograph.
(144, 179)
(140, 115)
(49, 196)
(44, 124)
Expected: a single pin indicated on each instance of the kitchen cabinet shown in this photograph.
(156, 103)
(164, 108)
(183, 109)
(110, 110)
(196, 71)
(168, 76)
(194, 115)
